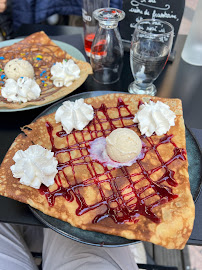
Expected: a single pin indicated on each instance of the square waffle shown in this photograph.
(149, 201)
(42, 53)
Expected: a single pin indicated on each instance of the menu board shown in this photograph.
(136, 10)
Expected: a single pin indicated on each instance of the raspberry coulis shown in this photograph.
(128, 202)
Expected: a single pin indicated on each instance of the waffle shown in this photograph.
(42, 53)
(149, 201)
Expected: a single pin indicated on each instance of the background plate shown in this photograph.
(100, 239)
(64, 46)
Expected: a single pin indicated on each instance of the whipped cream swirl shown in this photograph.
(22, 90)
(63, 74)
(34, 166)
(74, 115)
(154, 117)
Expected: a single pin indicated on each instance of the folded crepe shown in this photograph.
(149, 200)
(42, 53)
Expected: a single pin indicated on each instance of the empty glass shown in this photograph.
(150, 48)
(107, 48)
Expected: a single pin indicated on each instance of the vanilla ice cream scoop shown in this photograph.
(17, 68)
(123, 145)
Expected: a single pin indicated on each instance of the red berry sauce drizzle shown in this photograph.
(124, 210)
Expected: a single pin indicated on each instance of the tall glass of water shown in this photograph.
(150, 48)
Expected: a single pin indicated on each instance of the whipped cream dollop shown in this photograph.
(63, 74)
(34, 166)
(22, 90)
(154, 117)
(74, 115)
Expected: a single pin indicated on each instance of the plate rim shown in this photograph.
(130, 242)
(36, 214)
(58, 43)
(199, 189)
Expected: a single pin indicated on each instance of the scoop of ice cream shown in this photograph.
(17, 68)
(123, 145)
(98, 152)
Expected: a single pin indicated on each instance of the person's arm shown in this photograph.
(3, 5)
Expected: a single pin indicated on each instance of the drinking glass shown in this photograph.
(107, 48)
(90, 23)
(150, 48)
(192, 51)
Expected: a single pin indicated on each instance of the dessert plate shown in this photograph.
(100, 239)
(64, 46)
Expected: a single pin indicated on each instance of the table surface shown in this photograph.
(178, 80)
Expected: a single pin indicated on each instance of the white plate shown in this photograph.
(64, 46)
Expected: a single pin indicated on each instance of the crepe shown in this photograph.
(149, 201)
(42, 53)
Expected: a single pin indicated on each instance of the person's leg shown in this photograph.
(33, 236)
(14, 253)
(60, 253)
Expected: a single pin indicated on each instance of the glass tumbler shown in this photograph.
(107, 48)
(150, 48)
(90, 24)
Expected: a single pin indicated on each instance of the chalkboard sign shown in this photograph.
(136, 10)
